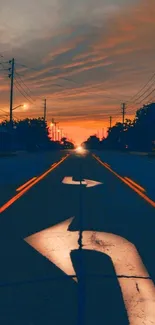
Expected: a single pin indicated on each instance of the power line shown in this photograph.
(25, 66)
(142, 88)
(27, 95)
(143, 94)
(22, 93)
(143, 99)
(23, 82)
(147, 96)
(3, 111)
(28, 87)
(6, 114)
(23, 89)
(2, 64)
(132, 109)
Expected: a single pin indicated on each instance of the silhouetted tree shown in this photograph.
(138, 134)
(144, 127)
(93, 142)
(28, 134)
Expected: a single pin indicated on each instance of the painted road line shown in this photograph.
(58, 248)
(57, 242)
(107, 165)
(145, 197)
(22, 192)
(25, 184)
(53, 164)
(88, 182)
(135, 184)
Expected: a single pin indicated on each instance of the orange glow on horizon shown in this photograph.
(79, 130)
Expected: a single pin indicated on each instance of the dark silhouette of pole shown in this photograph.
(110, 121)
(61, 133)
(11, 76)
(53, 132)
(55, 123)
(53, 129)
(123, 112)
(44, 109)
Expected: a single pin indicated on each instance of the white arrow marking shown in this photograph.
(88, 182)
(57, 242)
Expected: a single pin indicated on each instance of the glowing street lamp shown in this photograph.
(25, 106)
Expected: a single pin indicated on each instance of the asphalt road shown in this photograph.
(140, 168)
(34, 290)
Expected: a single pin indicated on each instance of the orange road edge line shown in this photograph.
(53, 165)
(135, 184)
(107, 164)
(145, 197)
(25, 184)
(17, 196)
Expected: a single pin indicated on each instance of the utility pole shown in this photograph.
(11, 76)
(61, 132)
(110, 121)
(123, 112)
(53, 129)
(55, 123)
(44, 109)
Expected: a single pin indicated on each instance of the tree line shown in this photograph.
(134, 135)
(29, 134)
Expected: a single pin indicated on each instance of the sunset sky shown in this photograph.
(86, 57)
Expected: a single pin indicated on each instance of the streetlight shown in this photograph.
(17, 107)
(21, 105)
(14, 108)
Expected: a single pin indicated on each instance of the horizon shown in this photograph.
(84, 66)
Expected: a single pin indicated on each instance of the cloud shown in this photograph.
(76, 59)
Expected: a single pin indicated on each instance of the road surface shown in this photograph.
(34, 290)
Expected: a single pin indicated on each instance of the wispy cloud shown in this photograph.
(108, 51)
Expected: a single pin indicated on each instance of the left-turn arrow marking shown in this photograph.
(56, 244)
